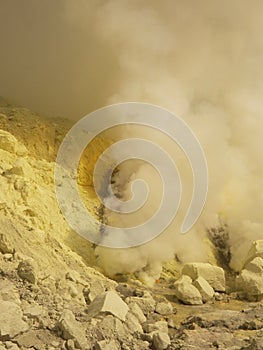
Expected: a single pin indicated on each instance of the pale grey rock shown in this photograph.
(164, 308)
(161, 340)
(107, 345)
(11, 320)
(133, 324)
(94, 289)
(186, 292)
(109, 302)
(70, 344)
(146, 302)
(206, 291)
(137, 312)
(160, 326)
(214, 275)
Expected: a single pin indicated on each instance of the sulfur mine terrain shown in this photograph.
(53, 295)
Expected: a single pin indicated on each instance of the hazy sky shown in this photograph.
(68, 57)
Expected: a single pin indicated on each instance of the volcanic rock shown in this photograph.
(109, 302)
(164, 308)
(186, 292)
(161, 340)
(206, 291)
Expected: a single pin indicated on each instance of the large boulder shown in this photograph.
(186, 292)
(214, 275)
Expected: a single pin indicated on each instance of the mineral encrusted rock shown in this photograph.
(214, 275)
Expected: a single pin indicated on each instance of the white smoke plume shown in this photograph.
(201, 60)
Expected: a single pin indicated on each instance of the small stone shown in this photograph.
(164, 308)
(8, 257)
(26, 270)
(70, 344)
(72, 329)
(73, 276)
(160, 326)
(33, 310)
(161, 341)
(109, 302)
(93, 290)
(11, 346)
(214, 275)
(133, 323)
(206, 291)
(186, 292)
(137, 312)
(21, 168)
(73, 291)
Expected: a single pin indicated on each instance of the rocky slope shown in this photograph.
(53, 295)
